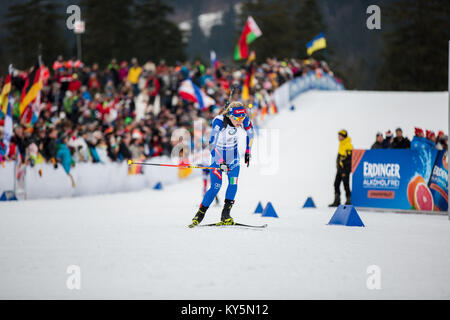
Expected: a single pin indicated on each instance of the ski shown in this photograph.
(233, 225)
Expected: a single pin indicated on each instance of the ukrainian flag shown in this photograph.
(315, 44)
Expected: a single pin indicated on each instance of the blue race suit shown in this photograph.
(224, 148)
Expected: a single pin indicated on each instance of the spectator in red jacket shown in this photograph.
(156, 148)
(75, 84)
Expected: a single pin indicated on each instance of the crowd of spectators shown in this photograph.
(129, 110)
(388, 141)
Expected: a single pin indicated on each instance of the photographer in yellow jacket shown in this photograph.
(344, 168)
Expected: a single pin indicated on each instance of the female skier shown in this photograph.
(223, 144)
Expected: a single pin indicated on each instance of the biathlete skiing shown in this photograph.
(223, 145)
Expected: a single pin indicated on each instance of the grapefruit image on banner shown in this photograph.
(419, 195)
(412, 188)
(423, 199)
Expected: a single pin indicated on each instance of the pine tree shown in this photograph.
(109, 30)
(308, 23)
(34, 28)
(223, 36)
(197, 41)
(416, 50)
(156, 37)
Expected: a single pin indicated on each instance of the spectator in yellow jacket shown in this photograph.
(344, 168)
(133, 75)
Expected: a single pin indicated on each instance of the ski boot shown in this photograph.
(199, 216)
(226, 219)
(337, 201)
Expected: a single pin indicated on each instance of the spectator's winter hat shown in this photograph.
(343, 133)
(440, 133)
(379, 134)
(388, 133)
(429, 134)
(236, 110)
(418, 131)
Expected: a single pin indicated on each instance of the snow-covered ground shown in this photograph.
(137, 246)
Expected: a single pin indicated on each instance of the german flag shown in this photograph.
(30, 92)
(249, 77)
(4, 94)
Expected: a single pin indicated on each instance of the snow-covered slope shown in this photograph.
(308, 143)
(137, 245)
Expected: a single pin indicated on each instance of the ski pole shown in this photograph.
(227, 103)
(170, 165)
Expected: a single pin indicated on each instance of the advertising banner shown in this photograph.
(439, 182)
(286, 94)
(313, 80)
(406, 179)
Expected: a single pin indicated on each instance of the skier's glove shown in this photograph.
(248, 156)
(223, 167)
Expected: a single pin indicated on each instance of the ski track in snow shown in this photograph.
(137, 245)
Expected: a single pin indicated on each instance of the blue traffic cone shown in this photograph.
(158, 186)
(346, 215)
(269, 211)
(309, 203)
(259, 208)
(8, 196)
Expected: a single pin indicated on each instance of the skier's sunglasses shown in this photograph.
(238, 119)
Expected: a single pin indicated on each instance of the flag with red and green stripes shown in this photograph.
(249, 34)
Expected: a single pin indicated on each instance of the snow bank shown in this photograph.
(90, 179)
